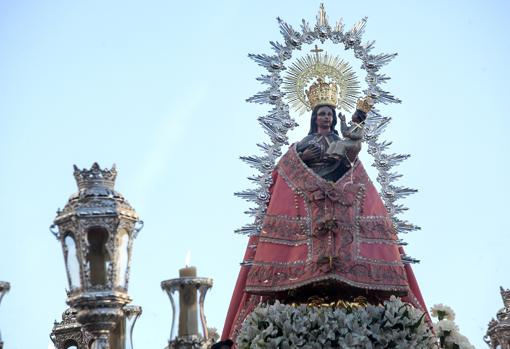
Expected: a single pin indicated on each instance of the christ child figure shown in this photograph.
(349, 147)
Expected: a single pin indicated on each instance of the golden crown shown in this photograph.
(365, 104)
(322, 93)
(320, 79)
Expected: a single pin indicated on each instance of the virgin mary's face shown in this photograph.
(324, 117)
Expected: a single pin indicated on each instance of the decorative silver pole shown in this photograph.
(4, 288)
(187, 287)
(96, 229)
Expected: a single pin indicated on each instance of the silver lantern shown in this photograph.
(96, 229)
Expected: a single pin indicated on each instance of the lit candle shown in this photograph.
(188, 316)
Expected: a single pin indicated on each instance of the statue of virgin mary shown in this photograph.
(326, 233)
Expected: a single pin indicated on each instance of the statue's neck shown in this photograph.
(323, 131)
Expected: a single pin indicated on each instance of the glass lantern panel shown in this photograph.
(72, 263)
(186, 320)
(99, 343)
(176, 310)
(131, 315)
(98, 256)
(123, 258)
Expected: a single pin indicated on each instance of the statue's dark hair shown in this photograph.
(313, 124)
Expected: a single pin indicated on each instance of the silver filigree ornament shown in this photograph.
(498, 331)
(278, 121)
(70, 332)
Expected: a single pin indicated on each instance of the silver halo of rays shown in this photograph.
(278, 121)
(305, 70)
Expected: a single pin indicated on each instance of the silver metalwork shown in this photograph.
(498, 332)
(132, 313)
(69, 332)
(4, 288)
(278, 121)
(408, 260)
(193, 341)
(96, 229)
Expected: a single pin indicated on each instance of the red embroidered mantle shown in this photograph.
(315, 230)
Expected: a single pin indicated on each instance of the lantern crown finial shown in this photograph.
(95, 176)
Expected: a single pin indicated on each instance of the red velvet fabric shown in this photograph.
(315, 230)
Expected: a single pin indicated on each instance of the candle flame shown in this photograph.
(187, 261)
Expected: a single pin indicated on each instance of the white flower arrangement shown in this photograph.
(392, 325)
(442, 311)
(445, 326)
(459, 340)
(446, 329)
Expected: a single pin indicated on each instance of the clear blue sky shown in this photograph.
(159, 88)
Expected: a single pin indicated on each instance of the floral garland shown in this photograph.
(394, 324)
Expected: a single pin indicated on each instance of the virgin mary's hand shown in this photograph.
(311, 153)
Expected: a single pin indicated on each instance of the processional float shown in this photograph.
(97, 227)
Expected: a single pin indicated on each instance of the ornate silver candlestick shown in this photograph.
(4, 288)
(187, 286)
